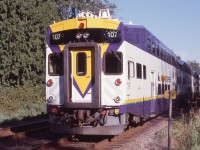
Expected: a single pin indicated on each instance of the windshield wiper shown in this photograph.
(115, 53)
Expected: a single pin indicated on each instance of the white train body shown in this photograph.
(118, 74)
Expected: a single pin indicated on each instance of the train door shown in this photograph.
(153, 91)
(131, 74)
(82, 73)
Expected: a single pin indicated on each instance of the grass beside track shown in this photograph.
(185, 132)
(22, 102)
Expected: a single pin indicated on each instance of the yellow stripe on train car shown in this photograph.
(137, 100)
(88, 23)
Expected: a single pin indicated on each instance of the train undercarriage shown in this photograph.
(90, 121)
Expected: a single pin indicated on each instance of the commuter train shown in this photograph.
(102, 74)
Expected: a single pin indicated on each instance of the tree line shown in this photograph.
(23, 26)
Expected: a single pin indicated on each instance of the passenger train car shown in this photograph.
(103, 74)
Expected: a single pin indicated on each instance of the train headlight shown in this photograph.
(51, 99)
(117, 99)
(79, 36)
(86, 35)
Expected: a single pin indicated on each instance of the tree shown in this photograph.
(22, 39)
(69, 9)
(23, 26)
(195, 66)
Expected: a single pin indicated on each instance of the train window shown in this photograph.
(167, 58)
(131, 70)
(164, 56)
(168, 87)
(158, 51)
(184, 81)
(154, 50)
(149, 43)
(55, 67)
(113, 62)
(161, 53)
(139, 70)
(163, 88)
(144, 72)
(170, 59)
(178, 80)
(159, 89)
(81, 61)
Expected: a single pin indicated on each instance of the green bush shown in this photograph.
(21, 102)
(185, 130)
(190, 135)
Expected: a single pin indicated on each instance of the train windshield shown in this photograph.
(85, 35)
(55, 62)
(113, 63)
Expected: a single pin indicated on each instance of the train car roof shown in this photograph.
(151, 36)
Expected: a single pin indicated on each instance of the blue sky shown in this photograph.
(175, 22)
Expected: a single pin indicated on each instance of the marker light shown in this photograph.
(118, 82)
(81, 25)
(51, 99)
(54, 110)
(79, 35)
(117, 99)
(86, 35)
(49, 82)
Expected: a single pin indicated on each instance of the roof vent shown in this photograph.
(104, 13)
(87, 14)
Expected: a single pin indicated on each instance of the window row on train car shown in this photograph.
(183, 80)
(161, 51)
(162, 87)
(113, 65)
(140, 71)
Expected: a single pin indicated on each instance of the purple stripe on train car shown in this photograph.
(139, 36)
(78, 89)
(115, 46)
(54, 48)
(145, 108)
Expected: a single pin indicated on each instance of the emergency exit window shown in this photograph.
(113, 63)
(81, 69)
(55, 64)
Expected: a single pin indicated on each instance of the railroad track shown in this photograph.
(39, 137)
(36, 136)
(83, 143)
(26, 136)
(9, 131)
(107, 142)
(102, 142)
